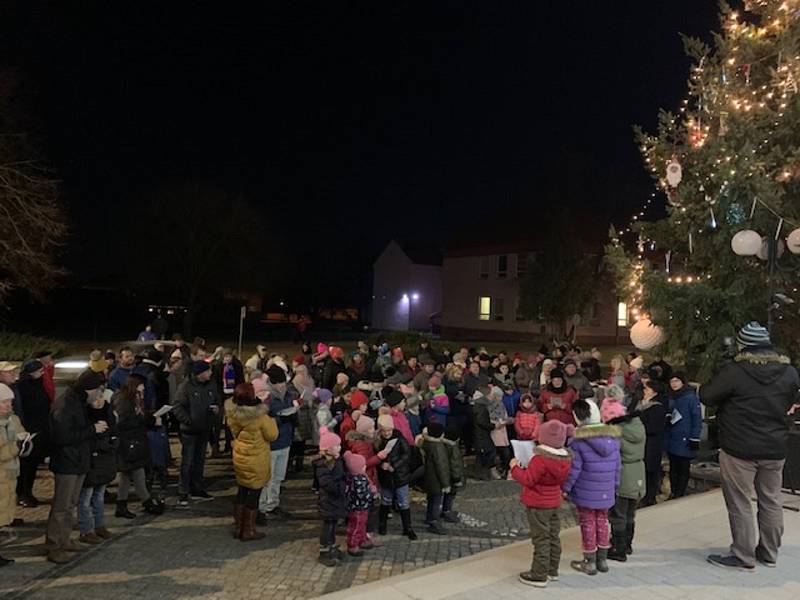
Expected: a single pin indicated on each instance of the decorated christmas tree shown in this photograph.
(727, 164)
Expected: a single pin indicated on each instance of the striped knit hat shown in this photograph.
(753, 334)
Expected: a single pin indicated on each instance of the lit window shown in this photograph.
(622, 314)
(502, 266)
(499, 309)
(484, 268)
(484, 308)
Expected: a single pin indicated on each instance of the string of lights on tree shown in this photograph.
(727, 160)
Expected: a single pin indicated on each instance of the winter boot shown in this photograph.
(617, 550)
(153, 507)
(122, 510)
(629, 539)
(602, 565)
(237, 520)
(495, 474)
(405, 517)
(436, 527)
(298, 463)
(249, 531)
(587, 565)
(481, 473)
(383, 518)
(326, 558)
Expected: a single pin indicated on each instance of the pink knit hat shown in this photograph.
(356, 464)
(611, 409)
(328, 439)
(554, 433)
(365, 425)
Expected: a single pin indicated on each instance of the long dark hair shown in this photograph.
(128, 390)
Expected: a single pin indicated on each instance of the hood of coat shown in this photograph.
(603, 439)
(548, 452)
(764, 366)
(248, 413)
(357, 436)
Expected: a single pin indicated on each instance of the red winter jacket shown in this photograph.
(346, 427)
(526, 424)
(361, 444)
(543, 478)
(558, 406)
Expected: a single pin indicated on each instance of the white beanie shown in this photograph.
(6, 393)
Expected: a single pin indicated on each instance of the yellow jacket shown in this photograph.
(252, 430)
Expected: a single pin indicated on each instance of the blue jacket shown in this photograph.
(511, 402)
(685, 405)
(284, 413)
(118, 377)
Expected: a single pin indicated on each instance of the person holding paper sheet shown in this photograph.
(10, 428)
(684, 424)
(541, 494)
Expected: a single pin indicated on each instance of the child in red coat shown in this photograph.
(527, 419)
(541, 494)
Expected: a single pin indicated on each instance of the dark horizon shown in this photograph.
(347, 125)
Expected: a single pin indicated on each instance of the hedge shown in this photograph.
(22, 346)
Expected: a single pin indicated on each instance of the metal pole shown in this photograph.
(242, 315)
(772, 258)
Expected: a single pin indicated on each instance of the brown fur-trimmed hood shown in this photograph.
(247, 413)
(595, 431)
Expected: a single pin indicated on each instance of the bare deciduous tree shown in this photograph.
(32, 225)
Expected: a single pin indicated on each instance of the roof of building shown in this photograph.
(422, 253)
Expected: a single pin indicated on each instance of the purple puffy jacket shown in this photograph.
(596, 466)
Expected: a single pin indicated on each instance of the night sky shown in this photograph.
(349, 123)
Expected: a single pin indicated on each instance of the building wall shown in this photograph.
(463, 286)
(404, 294)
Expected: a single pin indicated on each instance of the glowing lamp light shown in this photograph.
(405, 297)
(415, 296)
(72, 364)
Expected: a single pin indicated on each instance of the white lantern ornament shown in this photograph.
(746, 243)
(646, 336)
(793, 241)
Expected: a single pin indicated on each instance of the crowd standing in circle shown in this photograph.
(377, 423)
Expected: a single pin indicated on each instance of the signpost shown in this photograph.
(242, 316)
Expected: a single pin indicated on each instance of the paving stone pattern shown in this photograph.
(190, 553)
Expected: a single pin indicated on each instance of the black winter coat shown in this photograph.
(35, 412)
(483, 427)
(70, 433)
(133, 450)
(193, 402)
(752, 395)
(400, 460)
(454, 389)
(329, 373)
(332, 481)
(473, 382)
(654, 418)
(103, 448)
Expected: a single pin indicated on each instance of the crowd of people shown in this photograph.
(376, 423)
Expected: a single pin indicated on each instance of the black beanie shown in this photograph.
(89, 380)
(394, 398)
(276, 374)
(435, 430)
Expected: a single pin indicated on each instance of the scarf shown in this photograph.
(497, 411)
(228, 379)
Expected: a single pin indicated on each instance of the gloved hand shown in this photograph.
(694, 445)
(445, 490)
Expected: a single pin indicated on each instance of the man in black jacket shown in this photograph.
(196, 403)
(753, 395)
(70, 435)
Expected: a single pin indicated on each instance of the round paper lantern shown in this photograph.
(763, 251)
(645, 335)
(746, 243)
(793, 241)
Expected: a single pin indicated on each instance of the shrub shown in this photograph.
(21, 346)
